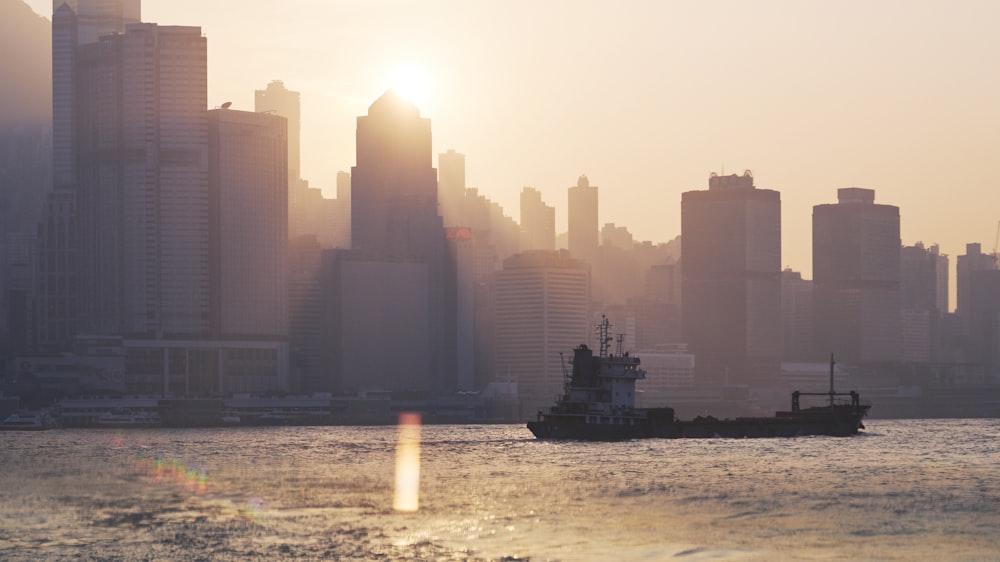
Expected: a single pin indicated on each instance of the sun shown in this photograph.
(410, 82)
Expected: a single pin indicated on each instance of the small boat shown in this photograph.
(598, 404)
(28, 421)
(123, 418)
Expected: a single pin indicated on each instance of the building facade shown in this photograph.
(542, 301)
(583, 225)
(538, 221)
(730, 278)
(856, 267)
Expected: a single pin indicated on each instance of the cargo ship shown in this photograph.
(598, 404)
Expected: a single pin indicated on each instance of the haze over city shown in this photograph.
(648, 98)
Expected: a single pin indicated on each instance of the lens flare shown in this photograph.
(407, 493)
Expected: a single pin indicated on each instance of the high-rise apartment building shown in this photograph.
(542, 301)
(279, 100)
(538, 221)
(966, 265)
(731, 285)
(248, 183)
(923, 287)
(451, 187)
(797, 316)
(583, 229)
(856, 265)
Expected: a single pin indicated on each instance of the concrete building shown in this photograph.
(583, 225)
(451, 187)
(394, 297)
(538, 221)
(731, 285)
(248, 183)
(856, 265)
(966, 265)
(279, 100)
(74, 23)
(797, 316)
(142, 183)
(923, 287)
(542, 299)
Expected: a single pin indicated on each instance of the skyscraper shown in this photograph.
(248, 184)
(538, 221)
(451, 187)
(583, 229)
(856, 264)
(972, 261)
(542, 301)
(74, 23)
(142, 182)
(394, 185)
(731, 284)
(393, 284)
(277, 99)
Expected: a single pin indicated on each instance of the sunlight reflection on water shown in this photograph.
(906, 490)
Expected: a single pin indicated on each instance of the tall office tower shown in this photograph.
(983, 341)
(583, 234)
(966, 265)
(797, 316)
(277, 99)
(731, 284)
(397, 263)
(923, 287)
(538, 221)
(248, 183)
(394, 186)
(142, 183)
(74, 23)
(856, 248)
(542, 301)
(451, 188)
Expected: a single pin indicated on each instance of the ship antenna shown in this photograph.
(832, 392)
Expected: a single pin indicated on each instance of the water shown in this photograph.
(906, 490)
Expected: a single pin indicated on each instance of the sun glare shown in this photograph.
(410, 81)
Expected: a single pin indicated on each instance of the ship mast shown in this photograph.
(604, 335)
(832, 392)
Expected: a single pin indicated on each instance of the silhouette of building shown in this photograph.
(391, 321)
(451, 187)
(142, 181)
(248, 184)
(74, 23)
(617, 236)
(983, 340)
(856, 265)
(923, 286)
(731, 285)
(583, 233)
(279, 100)
(797, 317)
(542, 301)
(966, 265)
(538, 221)
(309, 212)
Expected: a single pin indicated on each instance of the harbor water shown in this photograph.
(904, 490)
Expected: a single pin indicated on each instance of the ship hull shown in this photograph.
(556, 427)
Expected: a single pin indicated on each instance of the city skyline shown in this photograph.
(647, 102)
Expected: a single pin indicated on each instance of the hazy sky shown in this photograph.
(649, 98)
